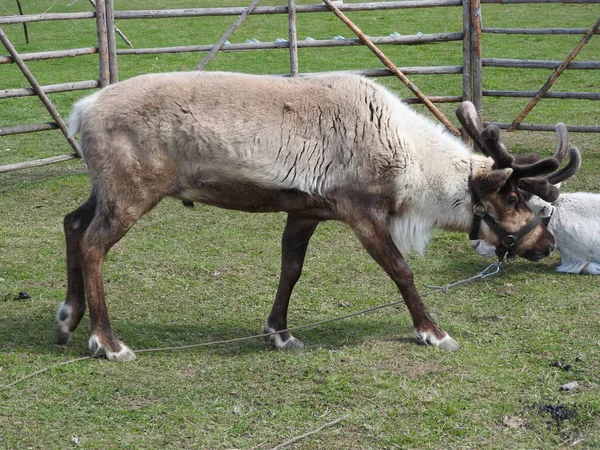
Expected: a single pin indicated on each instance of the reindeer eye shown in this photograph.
(513, 200)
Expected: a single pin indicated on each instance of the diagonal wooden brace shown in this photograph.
(390, 65)
(39, 91)
(559, 70)
(228, 33)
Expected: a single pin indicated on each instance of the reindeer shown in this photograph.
(337, 147)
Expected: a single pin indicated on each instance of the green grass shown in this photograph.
(188, 276)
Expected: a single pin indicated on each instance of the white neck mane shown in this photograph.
(440, 198)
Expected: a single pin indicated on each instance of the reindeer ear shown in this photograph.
(540, 187)
(492, 181)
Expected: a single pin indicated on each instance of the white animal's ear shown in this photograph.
(492, 181)
(557, 185)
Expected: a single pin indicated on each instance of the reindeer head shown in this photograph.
(498, 194)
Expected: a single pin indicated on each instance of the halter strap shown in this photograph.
(508, 240)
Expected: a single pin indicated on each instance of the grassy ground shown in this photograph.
(187, 276)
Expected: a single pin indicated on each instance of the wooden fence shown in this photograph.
(471, 67)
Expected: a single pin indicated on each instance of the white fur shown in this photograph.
(63, 325)
(428, 338)
(291, 344)
(410, 232)
(79, 113)
(98, 349)
(575, 224)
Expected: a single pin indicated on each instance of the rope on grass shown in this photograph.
(45, 369)
(310, 433)
(490, 270)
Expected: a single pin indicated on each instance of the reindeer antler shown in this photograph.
(503, 158)
(534, 174)
(544, 187)
(569, 170)
(467, 116)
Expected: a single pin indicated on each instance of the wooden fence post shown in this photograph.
(467, 75)
(292, 38)
(104, 63)
(113, 70)
(117, 30)
(476, 67)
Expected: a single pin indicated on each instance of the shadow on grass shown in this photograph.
(34, 334)
(465, 266)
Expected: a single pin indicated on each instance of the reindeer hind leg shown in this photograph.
(115, 215)
(70, 312)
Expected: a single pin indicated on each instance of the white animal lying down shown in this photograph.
(574, 220)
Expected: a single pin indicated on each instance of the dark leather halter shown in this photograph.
(508, 240)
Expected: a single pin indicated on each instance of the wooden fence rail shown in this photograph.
(528, 94)
(471, 68)
(529, 2)
(540, 127)
(22, 129)
(535, 30)
(57, 54)
(537, 64)
(231, 11)
(348, 42)
(50, 89)
(557, 73)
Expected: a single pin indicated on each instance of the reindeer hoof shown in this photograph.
(98, 349)
(123, 355)
(448, 344)
(61, 336)
(61, 324)
(291, 343)
(429, 338)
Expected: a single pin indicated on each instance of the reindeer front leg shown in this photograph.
(374, 235)
(294, 243)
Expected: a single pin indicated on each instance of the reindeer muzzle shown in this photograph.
(508, 241)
